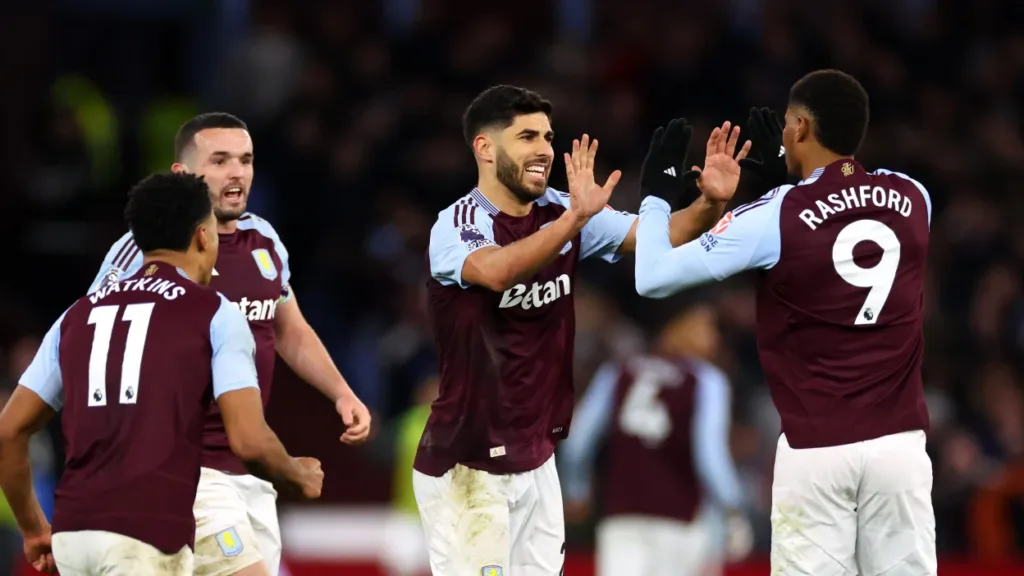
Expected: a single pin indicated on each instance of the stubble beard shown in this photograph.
(223, 215)
(511, 174)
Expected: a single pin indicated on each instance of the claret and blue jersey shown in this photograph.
(505, 358)
(840, 259)
(252, 272)
(121, 366)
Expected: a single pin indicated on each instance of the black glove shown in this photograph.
(765, 131)
(663, 174)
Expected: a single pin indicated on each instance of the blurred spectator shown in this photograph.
(356, 109)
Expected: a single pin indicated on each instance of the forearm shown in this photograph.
(498, 269)
(690, 222)
(662, 270)
(16, 481)
(266, 457)
(307, 356)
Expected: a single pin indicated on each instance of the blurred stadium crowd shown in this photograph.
(355, 108)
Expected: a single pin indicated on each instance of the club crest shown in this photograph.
(265, 263)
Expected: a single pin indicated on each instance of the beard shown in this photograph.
(510, 175)
(228, 214)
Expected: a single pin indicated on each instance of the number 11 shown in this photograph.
(103, 318)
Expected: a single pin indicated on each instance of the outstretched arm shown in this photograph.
(299, 346)
(746, 238)
(684, 225)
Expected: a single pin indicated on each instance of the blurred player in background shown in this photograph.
(404, 550)
(841, 260)
(503, 261)
(131, 368)
(666, 420)
(252, 272)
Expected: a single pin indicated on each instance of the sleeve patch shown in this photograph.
(473, 238)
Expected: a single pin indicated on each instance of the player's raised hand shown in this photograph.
(39, 553)
(356, 418)
(663, 174)
(312, 480)
(585, 195)
(769, 162)
(720, 176)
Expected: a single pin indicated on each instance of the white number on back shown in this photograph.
(103, 318)
(643, 414)
(879, 278)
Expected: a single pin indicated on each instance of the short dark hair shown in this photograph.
(165, 208)
(498, 106)
(840, 108)
(187, 133)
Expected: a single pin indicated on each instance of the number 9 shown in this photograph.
(878, 278)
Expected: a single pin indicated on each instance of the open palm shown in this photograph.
(586, 196)
(721, 173)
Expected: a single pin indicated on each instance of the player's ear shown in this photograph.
(483, 147)
(803, 128)
(179, 168)
(201, 238)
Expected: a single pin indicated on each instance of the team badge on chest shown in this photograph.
(265, 263)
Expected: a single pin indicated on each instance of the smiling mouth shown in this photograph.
(536, 171)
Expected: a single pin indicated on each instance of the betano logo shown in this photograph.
(537, 295)
(255, 310)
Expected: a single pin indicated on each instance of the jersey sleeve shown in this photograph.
(589, 427)
(710, 437)
(264, 228)
(234, 350)
(123, 259)
(43, 375)
(459, 231)
(746, 238)
(604, 233)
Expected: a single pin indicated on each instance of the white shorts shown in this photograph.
(482, 524)
(94, 552)
(236, 524)
(403, 551)
(646, 546)
(863, 508)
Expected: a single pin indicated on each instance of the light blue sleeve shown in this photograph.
(453, 238)
(262, 226)
(746, 238)
(924, 191)
(604, 233)
(123, 259)
(234, 350)
(710, 437)
(43, 375)
(589, 426)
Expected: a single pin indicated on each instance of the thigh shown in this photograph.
(99, 553)
(622, 548)
(261, 503)
(74, 553)
(814, 510)
(896, 523)
(537, 523)
(403, 551)
(225, 540)
(465, 516)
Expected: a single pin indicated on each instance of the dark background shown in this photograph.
(354, 108)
